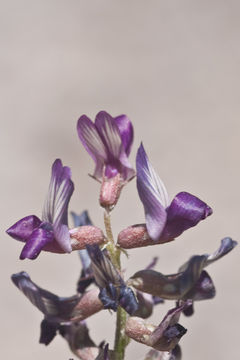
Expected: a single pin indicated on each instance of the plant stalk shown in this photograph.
(121, 340)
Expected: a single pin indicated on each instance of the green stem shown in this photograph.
(121, 340)
(113, 250)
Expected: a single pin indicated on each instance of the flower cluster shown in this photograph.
(101, 284)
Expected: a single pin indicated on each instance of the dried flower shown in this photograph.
(191, 282)
(163, 337)
(113, 290)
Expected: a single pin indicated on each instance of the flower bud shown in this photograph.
(85, 235)
(110, 191)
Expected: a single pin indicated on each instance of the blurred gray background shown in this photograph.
(173, 68)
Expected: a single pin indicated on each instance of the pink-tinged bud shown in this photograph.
(85, 235)
(135, 236)
(88, 305)
(110, 191)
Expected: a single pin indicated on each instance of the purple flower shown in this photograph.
(108, 141)
(164, 221)
(51, 233)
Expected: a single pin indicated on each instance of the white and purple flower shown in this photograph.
(108, 141)
(164, 221)
(51, 232)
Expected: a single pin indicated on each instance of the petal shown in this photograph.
(77, 336)
(113, 290)
(45, 301)
(127, 300)
(166, 336)
(117, 160)
(108, 297)
(108, 130)
(170, 287)
(82, 219)
(145, 305)
(203, 289)
(91, 140)
(126, 132)
(23, 228)
(62, 237)
(184, 212)
(174, 354)
(36, 242)
(163, 337)
(227, 244)
(56, 204)
(103, 269)
(152, 193)
(48, 331)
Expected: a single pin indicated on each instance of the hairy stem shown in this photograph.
(113, 250)
(121, 340)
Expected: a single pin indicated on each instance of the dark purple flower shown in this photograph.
(77, 336)
(113, 290)
(108, 141)
(146, 302)
(164, 221)
(191, 282)
(58, 309)
(51, 233)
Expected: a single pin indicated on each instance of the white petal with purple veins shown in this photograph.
(153, 195)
